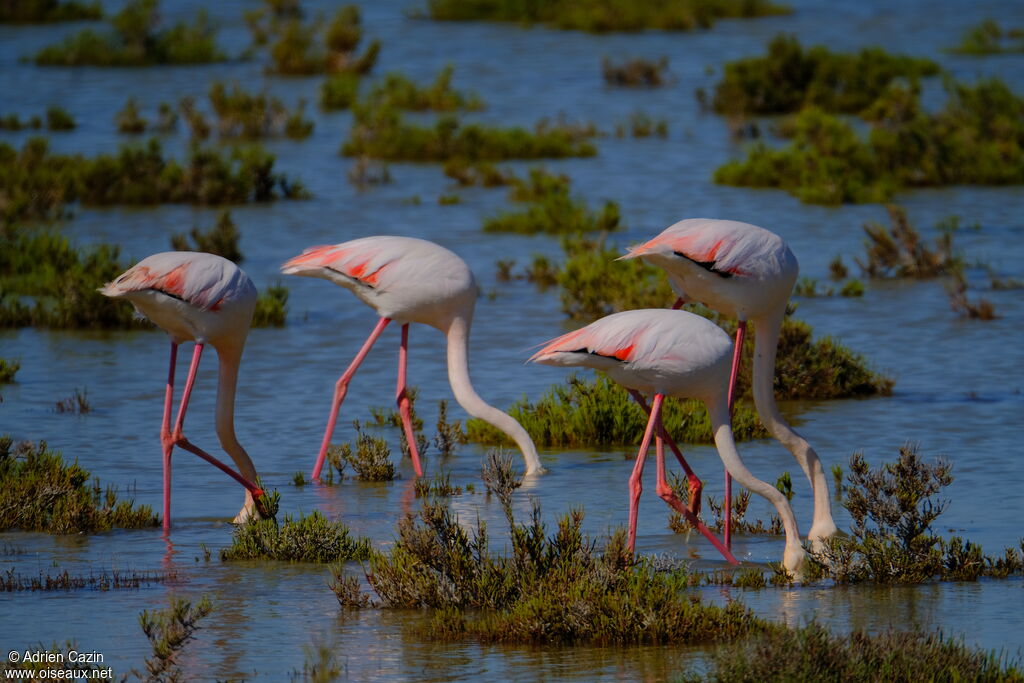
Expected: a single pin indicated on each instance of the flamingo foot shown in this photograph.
(250, 510)
(696, 493)
(820, 532)
(794, 559)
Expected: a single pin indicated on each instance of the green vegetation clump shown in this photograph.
(449, 434)
(40, 492)
(977, 138)
(129, 120)
(807, 653)
(371, 459)
(396, 90)
(989, 38)
(66, 581)
(635, 72)
(982, 309)
(598, 412)
(894, 509)
(47, 282)
(561, 588)
(297, 48)
(168, 631)
(241, 114)
(339, 91)
(552, 209)
(789, 79)
(482, 173)
(136, 39)
(36, 184)
(602, 16)
(308, 538)
(380, 132)
(8, 369)
(45, 11)
(221, 239)
(642, 125)
(271, 307)
(439, 486)
(76, 404)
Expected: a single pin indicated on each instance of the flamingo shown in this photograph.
(208, 300)
(670, 353)
(746, 272)
(409, 280)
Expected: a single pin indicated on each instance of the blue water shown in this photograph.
(958, 382)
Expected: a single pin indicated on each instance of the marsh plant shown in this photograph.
(241, 114)
(976, 138)
(551, 208)
(790, 78)
(980, 309)
(57, 118)
(136, 38)
(271, 306)
(811, 652)
(989, 38)
(482, 173)
(10, 581)
(169, 630)
(899, 251)
(440, 486)
(584, 413)
(299, 48)
(398, 91)
(306, 538)
(380, 132)
(40, 492)
(642, 125)
(75, 404)
(558, 588)
(894, 509)
(371, 460)
(46, 11)
(9, 368)
(602, 16)
(340, 91)
(449, 434)
(635, 72)
(128, 120)
(221, 239)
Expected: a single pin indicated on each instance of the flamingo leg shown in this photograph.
(166, 441)
(696, 485)
(635, 479)
(187, 394)
(404, 405)
(666, 493)
(737, 357)
(340, 389)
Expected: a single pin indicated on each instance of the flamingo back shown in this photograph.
(402, 278)
(654, 350)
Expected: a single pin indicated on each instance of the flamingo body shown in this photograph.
(747, 272)
(409, 280)
(206, 299)
(670, 353)
(736, 268)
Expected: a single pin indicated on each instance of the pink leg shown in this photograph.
(666, 493)
(402, 398)
(340, 389)
(696, 485)
(255, 490)
(678, 304)
(187, 394)
(635, 479)
(166, 441)
(737, 353)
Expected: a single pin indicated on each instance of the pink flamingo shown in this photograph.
(412, 281)
(670, 353)
(209, 300)
(747, 272)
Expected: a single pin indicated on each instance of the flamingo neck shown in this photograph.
(229, 357)
(462, 387)
(767, 331)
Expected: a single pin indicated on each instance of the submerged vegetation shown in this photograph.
(789, 78)
(221, 239)
(371, 459)
(601, 16)
(598, 412)
(8, 369)
(136, 39)
(635, 72)
(57, 118)
(297, 48)
(976, 138)
(380, 132)
(307, 538)
(41, 492)
(10, 581)
(396, 90)
(899, 251)
(46, 11)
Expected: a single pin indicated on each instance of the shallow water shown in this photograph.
(958, 391)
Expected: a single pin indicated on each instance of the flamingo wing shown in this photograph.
(359, 260)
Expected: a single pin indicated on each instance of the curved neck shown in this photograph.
(766, 341)
(229, 358)
(462, 387)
